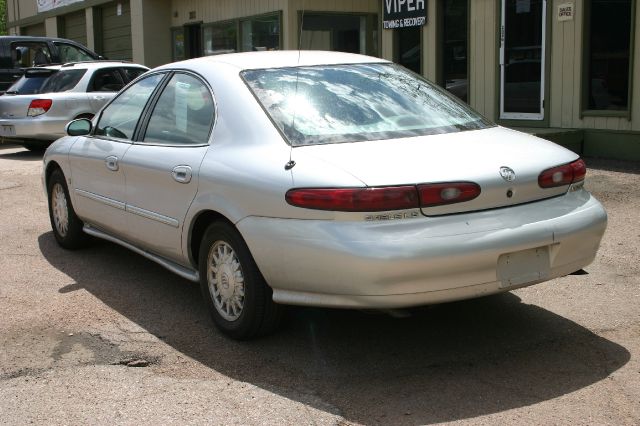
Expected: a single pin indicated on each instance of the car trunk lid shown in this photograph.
(505, 164)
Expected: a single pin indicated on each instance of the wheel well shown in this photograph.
(50, 169)
(200, 225)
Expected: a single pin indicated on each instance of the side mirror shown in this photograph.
(79, 127)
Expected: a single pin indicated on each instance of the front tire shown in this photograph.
(67, 227)
(237, 296)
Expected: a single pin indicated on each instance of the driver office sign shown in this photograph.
(403, 13)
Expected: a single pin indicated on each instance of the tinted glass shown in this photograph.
(408, 46)
(120, 117)
(133, 73)
(108, 80)
(62, 81)
(27, 85)
(70, 53)
(610, 41)
(28, 54)
(183, 114)
(454, 51)
(347, 103)
(523, 56)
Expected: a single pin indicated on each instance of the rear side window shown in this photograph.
(108, 80)
(63, 81)
(133, 73)
(183, 114)
(30, 54)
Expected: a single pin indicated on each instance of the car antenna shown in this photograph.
(291, 164)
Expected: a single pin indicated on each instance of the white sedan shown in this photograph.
(320, 179)
(35, 110)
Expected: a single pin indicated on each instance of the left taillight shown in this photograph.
(565, 174)
(39, 107)
(354, 199)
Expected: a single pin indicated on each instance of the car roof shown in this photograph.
(93, 65)
(37, 38)
(276, 59)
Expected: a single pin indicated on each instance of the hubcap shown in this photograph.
(226, 280)
(59, 209)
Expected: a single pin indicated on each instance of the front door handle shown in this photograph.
(112, 163)
(181, 174)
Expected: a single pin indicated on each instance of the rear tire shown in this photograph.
(235, 292)
(67, 227)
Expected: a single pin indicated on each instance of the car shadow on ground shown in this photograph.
(620, 166)
(446, 362)
(20, 153)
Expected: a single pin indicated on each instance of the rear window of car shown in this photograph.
(63, 80)
(28, 84)
(357, 102)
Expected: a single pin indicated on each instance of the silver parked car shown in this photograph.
(321, 179)
(35, 110)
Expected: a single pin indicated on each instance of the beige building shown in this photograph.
(558, 68)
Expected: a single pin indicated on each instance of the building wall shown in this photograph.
(566, 76)
(483, 56)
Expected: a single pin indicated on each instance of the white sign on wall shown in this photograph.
(565, 12)
(44, 5)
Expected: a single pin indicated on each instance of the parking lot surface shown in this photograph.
(103, 335)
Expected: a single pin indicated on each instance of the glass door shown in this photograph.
(522, 59)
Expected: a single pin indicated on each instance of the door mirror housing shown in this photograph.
(79, 127)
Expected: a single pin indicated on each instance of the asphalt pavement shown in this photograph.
(102, 335)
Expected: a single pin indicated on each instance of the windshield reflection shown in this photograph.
(348, 103)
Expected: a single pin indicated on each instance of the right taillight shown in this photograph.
(565, 174)
(39, 107)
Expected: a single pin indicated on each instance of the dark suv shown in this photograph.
(20, 52)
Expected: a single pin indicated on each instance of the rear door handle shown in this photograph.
(181, 174)
(112, 163)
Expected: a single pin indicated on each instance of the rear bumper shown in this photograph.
(38, 128)
(425, 260)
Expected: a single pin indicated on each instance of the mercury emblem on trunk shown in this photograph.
(507, 174)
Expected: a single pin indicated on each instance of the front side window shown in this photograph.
(610, 24)
(360, 102)
(183, 115)
(120, 118)
(261, 33)
(62, 81)
(70, 53)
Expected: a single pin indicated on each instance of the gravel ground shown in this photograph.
(105, 336)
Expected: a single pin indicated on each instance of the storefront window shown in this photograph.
(408, 48)
(220, 38)
(339, 32)
(177, 38)
(608, 56)
(454, 49)
(260, 33)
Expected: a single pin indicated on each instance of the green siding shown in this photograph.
(75, 27)
(116, 31)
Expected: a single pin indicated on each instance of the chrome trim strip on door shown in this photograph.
(152, 215)
(99, 198)
(179, 270)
